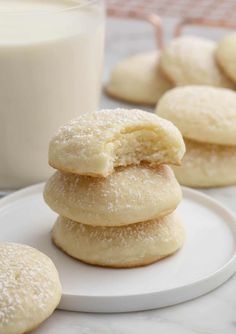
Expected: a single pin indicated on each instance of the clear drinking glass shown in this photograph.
(51, 54)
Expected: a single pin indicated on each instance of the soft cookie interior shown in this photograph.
(140, 145)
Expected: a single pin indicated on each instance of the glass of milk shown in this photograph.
(51, 54)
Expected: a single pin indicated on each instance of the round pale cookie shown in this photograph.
(190, 60)
(207, 165)
(138, 79)
(202, 113)
(121, 247)
(226, 55)
(30, 289)
(94, 144)
(130, 195)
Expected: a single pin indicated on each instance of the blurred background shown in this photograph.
(127, 34)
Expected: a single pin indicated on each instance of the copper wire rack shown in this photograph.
(209, 13)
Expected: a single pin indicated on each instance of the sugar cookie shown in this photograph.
(202, 113)
(226, 55)
(130, 195)
(127, 246)
(94, 144)
(207, 165)
(138, 79)
(30, 289)
(190, 60)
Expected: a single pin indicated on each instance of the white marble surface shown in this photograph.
(214, 313)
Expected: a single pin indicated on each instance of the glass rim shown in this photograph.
(80, 4)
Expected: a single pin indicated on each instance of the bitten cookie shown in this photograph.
(190, 60)
(30, 289)
(202, 113)
(130, 195)
(94, 144)
(226, 55)
(138, 79)
(207, 165)
(127, 246)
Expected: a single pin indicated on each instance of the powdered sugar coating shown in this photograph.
(207, 165)
(138, 79)
(93, 144)
(29, 288)
(190, 60)
(124, 246)
(202, 113)
(130, 195)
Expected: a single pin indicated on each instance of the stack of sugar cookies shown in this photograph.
(113, 191)
(206, 116)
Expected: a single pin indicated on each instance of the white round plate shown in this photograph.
(207, 259)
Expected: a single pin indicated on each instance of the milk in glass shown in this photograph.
(50, 72)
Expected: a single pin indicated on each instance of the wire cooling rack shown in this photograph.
(211, 13)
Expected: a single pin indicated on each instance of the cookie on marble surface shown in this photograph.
(207, 165)
(94, 144)
(126, 246)
(30, 289)
(202, 113)
(138, 79)
(226, 55)
(130, 195)
(190, 60)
